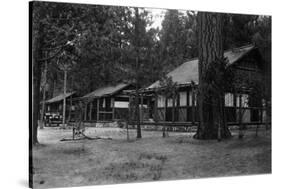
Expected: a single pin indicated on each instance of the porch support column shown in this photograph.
(235, 106)
(187, 105)
(155, 108)
(130, 109)
(85, 112)
(173, 109)
(112, 100)
(141, 109)
(240, 117)
(98, 109)
(193, 104)
(90, 113)
(240, 109)
(165, 107)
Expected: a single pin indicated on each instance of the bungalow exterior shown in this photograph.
(54, 106)
(107, 103)
(182, 108)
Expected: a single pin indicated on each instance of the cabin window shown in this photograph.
(119, 104)
(183, 98)
(244, 100)
(190, 99)
(229, 99)
(103, 102)
(169, 102)
(112, 103)
(161, 101)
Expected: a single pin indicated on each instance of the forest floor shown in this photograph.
(179, 156)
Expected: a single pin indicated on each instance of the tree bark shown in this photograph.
(64, 99)
(42, 124)
(137, 43)
(210, 49)
(36, 79)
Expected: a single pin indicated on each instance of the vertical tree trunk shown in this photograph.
(35, 98)
(36, 78)
(210, 49)
(44, 96)
(137, 43)
(64, 99)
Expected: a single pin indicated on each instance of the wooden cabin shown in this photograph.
(183, 107)
(107, 103)
(54, 106)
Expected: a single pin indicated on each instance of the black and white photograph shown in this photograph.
(124, 94)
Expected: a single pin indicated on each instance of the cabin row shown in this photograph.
(117, 102)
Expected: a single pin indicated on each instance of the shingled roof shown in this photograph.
(59, 97)
(188, 71)
(106, 91)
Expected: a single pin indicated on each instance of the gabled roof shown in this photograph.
(188, 71)
(59, 97)
(106, 91)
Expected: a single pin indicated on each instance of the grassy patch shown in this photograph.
(252, 142)
(61, 164)
(148, 166)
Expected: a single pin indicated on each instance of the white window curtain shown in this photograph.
(103, 102)
(183, 101)
(190, 99)
(161, 101)
(119, 104)
(229, 100)
(244, 100)
(170, 102)
(112, 102)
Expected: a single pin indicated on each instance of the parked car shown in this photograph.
(53, 119)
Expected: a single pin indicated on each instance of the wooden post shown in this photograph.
(165, 111)
(155, 108)
(113, 107)
(260, 110)
(141, 111)
(69, 111)
(235, 106)
(240, 109)
(130, 110)
(165, 108)
(90, 112)
(193, 104)
(98, 109)
(173, 108)
(85, 112)
(240, 117)
(64, 99)
(148, 103)
(127, 126)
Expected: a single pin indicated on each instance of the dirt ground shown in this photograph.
(179, 156)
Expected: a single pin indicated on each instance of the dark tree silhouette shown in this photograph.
(210, 58)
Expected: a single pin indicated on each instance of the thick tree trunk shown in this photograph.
(137, 41)
(35, 101)
(42, 122)
(36, 79)
(210, 49)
